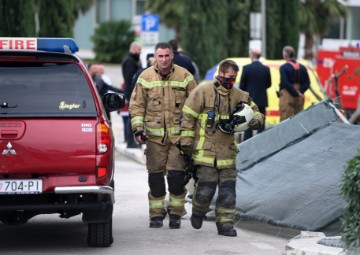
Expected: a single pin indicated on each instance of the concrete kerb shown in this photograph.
(307, 244)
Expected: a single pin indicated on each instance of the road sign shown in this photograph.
(150, 29)
(149, 38)
(150, 23)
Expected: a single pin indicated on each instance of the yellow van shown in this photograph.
(312, 95)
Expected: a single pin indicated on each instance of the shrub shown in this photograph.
(112, 40)
(350, 189)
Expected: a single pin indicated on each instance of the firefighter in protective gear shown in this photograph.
(155, 108)
(214, 151)
(294, 81)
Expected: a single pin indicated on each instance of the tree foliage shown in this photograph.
(314, 20)
(111, 41)
(170, 14)
(17, 18)
(282, 26)
(31, 18)
(350, 189)
(204, 31)
(237, 43)
(58, 18)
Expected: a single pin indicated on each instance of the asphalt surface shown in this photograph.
(253, 238)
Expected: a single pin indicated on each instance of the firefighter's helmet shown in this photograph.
(247, 113)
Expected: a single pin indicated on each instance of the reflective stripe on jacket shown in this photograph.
(210, 144)
(156, 102)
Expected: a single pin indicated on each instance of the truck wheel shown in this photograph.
(100, 234)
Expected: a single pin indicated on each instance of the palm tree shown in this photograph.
(314, 20)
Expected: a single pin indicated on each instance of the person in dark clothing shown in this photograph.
(150, 60)
(130, 65)
(196, 68)
(256, 79)
(294, 81)
(181, 59)
(101, 86)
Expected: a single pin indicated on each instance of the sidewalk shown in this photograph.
(263, 236)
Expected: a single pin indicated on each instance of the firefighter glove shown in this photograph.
(254, 124)
(141, 136)
(186, 149)
(226, 126)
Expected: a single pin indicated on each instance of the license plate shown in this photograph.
(21, 186)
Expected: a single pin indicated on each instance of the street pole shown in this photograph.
(263, 28)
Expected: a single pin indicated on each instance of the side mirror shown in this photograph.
(113, 101)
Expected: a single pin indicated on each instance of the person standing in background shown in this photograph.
(256, 79)
(104, 76)
(96, 72)
(294, 81)
(196, 68)
(130, 64)
(181, 59)
(150, 60)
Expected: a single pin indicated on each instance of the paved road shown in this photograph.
(48, 234)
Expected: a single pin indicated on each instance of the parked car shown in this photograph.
(56, 143)
(313, 95)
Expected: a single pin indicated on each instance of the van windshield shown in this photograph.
(29, 89)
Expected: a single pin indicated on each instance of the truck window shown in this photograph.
(38, 89)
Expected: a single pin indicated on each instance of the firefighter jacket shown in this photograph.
(156, 102)
(211, 146)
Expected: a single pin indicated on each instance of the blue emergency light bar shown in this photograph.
(57, 44)
(64, 45)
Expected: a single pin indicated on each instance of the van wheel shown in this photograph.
(100, 234)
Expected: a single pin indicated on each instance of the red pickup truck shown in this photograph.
(56, 143)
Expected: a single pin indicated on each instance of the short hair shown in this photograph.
(149, 55)
(134, 44)
(255, 53)
(174, 44)
(227, 64)
(163, 45)
(289, 51)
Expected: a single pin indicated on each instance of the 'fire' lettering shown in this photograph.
(18, 43)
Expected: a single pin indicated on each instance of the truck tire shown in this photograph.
(100, 234)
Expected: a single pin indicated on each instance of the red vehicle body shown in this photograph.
(339, 73)
(56, 143)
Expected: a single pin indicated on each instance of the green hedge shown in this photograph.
(350, 189)
(112, 40)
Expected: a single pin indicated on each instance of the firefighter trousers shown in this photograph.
(209, 178)
(289, 105)
(164, 161)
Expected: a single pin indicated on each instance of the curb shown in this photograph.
(307, 244)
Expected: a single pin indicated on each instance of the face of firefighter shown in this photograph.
(164, 59)
(227, 79)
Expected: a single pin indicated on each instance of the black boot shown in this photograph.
(196, 221)
(156, 222)
(175, 221)
(226, 230)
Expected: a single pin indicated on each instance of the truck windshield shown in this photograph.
(29, 89)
